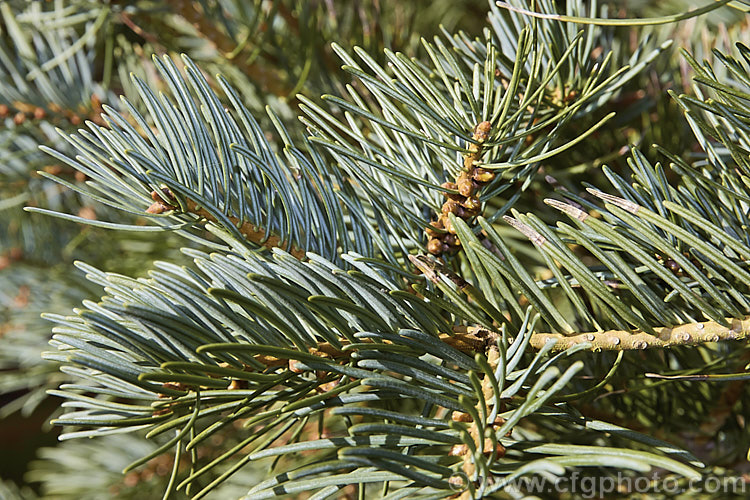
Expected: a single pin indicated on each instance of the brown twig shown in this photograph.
(620, 340)
(24, 112)
(488, 446)
(149, 37)
(269, 80)
(471, 340)
(251, 232)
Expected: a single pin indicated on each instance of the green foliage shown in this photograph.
(304, 341)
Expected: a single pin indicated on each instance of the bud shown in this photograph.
(450, 206)
(458, 416)
(482, 131)
(471, 203)
(483, 175)
(465, 185)
(458, 450)
(435, 246)
(451, 240)
(236, 385)
(156, 208)
(432, 233)
(448, 224)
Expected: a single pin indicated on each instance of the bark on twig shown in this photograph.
(251, 232)
(621, 340)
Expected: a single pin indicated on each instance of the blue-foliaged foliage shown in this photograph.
(305, 341)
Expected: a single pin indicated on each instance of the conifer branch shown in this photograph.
(54, 113)
(474, 339)
(236, 357)
(251, 232)
(647, 21)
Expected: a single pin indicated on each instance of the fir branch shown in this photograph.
(486, 442)
(476, 339)
(414, 389)
(53, 113)
(650, 21)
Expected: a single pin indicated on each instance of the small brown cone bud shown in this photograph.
(156, 208)
(451, 240)
(53, 169)
(457, 482)
(39, 113)
(465, 186)
(672, 266)
(4, 110)
(482, 175)
(19, 118)
(430, 230)
(458, 416)
(450, 206)
(482, 131)
(294, 366)
(498, 450)
(87, 213)
(452, 196)
(471, 203)
(458, 450)
(328, 387)
(435, 246)
(448, 225)
(236, 385)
